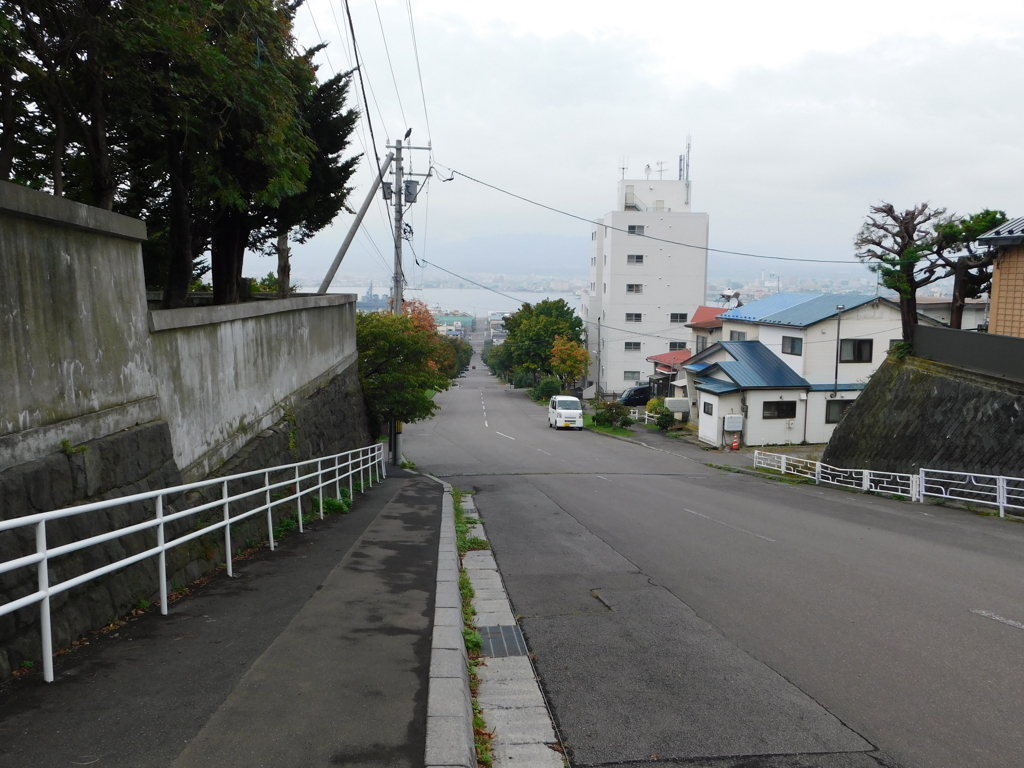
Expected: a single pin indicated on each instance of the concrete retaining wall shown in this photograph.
(919, 413)
(142, 400)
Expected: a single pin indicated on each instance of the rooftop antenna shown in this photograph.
(647, 170)
(684, 168)
(661, 169)
(623, 167)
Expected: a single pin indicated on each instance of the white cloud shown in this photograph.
(801, 118)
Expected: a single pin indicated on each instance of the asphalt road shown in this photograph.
(712, 618)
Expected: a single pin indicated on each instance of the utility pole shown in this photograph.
(403, 190)
(597, 388)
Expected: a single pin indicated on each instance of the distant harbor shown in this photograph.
(476, 301)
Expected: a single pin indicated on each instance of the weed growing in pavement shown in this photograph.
(408, 465)
(463, 540)
(482, 737)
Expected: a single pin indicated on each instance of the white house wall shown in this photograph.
(771, 337)
(817, 430)
(728, 326)
(761, 431)
(877, 321)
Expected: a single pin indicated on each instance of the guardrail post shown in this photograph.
(380, 460)
(349, 472)
(227, 530)
(783, 465)
(866, 481)
(43, 571)
(270, 512)
(162, 557)
(369, 465)
(298, 497)
(320, 486)
(1001, 495)
(915, 487)
(921, 487)
(337, 478)
(817, 473)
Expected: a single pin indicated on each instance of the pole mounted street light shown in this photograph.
(839, 327)
(778, 282)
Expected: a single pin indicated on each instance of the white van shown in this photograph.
(564, 411)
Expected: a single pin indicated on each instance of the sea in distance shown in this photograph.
(476, 301)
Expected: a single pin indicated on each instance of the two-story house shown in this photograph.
(790, 364)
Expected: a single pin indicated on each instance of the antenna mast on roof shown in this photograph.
(623, 167)
(661, 169)
(684, 168)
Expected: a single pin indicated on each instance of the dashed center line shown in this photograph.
(603, 478)
(1001, 619)
(504, 435)
(741, 530)
(544, 452)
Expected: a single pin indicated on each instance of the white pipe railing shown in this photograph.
(971, 487)
(362, 465)
(641, 415)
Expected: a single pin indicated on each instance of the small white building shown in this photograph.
(791, 365)
(648, 272)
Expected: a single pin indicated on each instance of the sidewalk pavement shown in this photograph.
(315, 654)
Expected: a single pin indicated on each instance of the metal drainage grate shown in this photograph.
(501, 641)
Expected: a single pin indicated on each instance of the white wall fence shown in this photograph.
(291, 483)
(969, 487)
(641, 416)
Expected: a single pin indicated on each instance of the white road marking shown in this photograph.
(1001, 619)
(504, 435)
(543, 451)
(603, 478)
(485, 423)
(741, 530)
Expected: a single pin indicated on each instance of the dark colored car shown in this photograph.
(636, 395)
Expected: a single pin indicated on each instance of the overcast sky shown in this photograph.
(802, 114)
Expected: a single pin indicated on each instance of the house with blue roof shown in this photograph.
(790, 365)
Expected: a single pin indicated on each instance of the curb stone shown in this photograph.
(510, 696)
(450, 742)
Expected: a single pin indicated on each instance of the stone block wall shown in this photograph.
(918, 413)
(331, 420)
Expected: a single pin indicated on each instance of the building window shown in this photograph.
(593, 235)
(834, 410)
(630, 375)
(593, 287)
(779, 409)
(675, 346)
(634, 287)
(702, 343)
(632, 346)
(635, 229)
(855, 350)
(709, 409)
(634, 317)
(635, 258)
(677, 317)
(791, 345)
(606, 287)
(737, 335)
(593, 261)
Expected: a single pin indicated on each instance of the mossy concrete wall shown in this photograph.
(918, 413)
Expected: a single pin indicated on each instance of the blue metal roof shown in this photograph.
(716, 386)
(796, 309)
(757, 366)
(697, 367)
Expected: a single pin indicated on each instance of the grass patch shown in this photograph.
(774, 474)
(588, 423)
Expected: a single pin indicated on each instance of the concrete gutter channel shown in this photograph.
(509, 694)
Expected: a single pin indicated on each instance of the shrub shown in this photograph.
(612, 415)
(656, 405)
(665, 421)
(547, 388)
(522, 380)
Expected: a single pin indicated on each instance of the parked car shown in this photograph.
(564, 411)
(636, 395)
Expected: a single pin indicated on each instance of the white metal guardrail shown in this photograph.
(302, 479)
(996, 490)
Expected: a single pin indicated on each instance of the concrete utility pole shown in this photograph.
(597, 388)
(403, 190)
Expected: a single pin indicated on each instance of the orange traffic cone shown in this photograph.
(735, 441)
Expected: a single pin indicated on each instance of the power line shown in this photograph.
(390, 65)
(362, 84)
(322, 43)
(419, 72)
(649, 237)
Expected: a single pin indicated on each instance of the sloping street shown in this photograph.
(692, 616)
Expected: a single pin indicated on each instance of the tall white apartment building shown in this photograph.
(648, 275)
